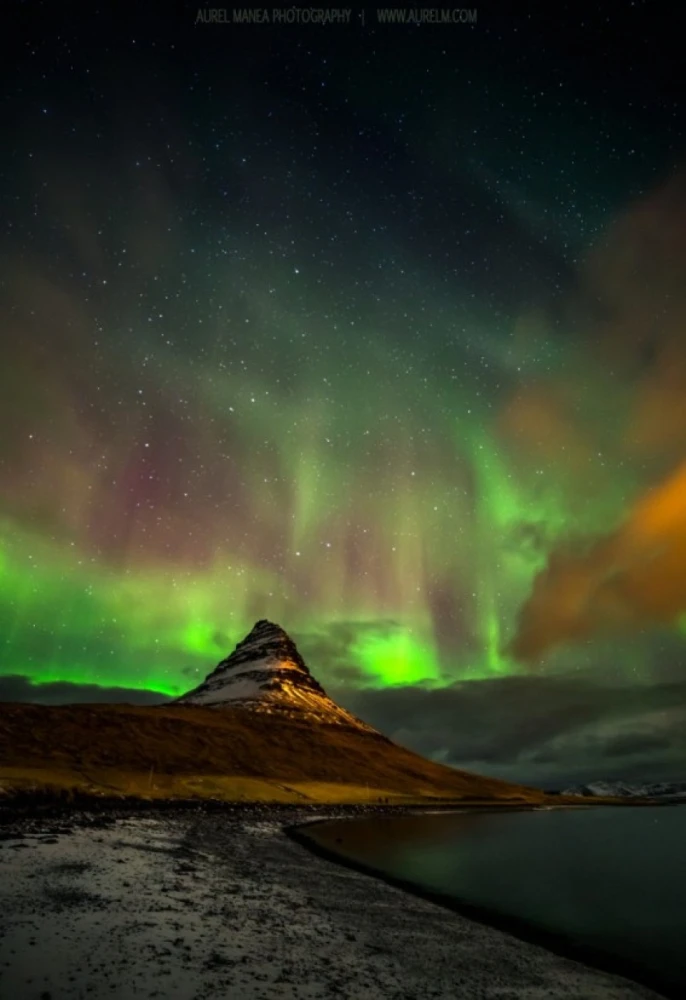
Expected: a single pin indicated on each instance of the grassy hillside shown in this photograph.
(184, 751)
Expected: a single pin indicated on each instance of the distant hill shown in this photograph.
(259, 728)
(623, 789)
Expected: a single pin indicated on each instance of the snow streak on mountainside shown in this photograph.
(266, 673)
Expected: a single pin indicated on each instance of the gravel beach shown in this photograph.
(197, 906)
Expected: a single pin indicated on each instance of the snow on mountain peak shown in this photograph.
(623, 789)
(266, 673)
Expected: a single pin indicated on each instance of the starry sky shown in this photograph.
(376, 331)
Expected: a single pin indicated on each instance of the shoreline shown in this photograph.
(32, 807)
(227, 900)
(31, 804)
(516, 927)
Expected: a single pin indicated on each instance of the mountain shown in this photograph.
(621, 789)
(260, 727)
(266, 674)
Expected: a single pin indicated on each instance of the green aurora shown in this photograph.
(324, 356)
(342, 515)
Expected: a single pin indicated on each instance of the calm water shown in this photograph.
(613, 880)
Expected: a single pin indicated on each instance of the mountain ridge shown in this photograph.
(626, 789)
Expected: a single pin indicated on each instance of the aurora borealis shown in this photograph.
(391, 358)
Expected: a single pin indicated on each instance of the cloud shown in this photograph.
(16, 688)
(638, 743)
(328, 651)
(536, 728)
(221, 641)
(618, 415)
(633, 577)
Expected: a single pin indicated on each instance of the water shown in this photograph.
(608, 879)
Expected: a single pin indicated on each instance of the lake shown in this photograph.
(609, 881)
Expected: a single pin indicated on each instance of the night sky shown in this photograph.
(378, 332)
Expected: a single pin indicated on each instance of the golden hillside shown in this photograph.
(233, 754)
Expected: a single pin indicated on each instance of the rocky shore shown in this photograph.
(198, 904)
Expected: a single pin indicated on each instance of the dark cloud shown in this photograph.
(16, 688)
(530, 728)
(630, 744)
(347, 673)
(193, 673)
(222, 641)
(328, 651)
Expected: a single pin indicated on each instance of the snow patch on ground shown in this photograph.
(184, 908)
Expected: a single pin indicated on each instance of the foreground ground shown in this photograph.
(197, 906)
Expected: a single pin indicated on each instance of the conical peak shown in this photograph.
(264, 628)
(265, 638)
(264, 622)
(267, 656)
(266, 673)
